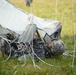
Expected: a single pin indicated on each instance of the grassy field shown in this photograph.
(61, 65)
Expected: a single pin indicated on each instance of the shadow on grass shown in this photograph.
(70, 44)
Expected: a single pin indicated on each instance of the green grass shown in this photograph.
(62, 64)
(59, 68)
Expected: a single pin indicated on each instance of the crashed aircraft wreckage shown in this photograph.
(22, 33)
